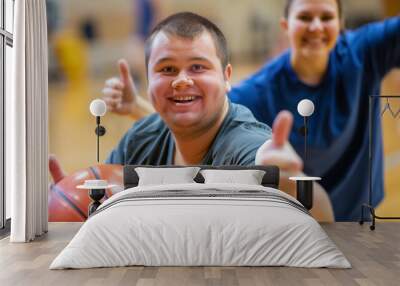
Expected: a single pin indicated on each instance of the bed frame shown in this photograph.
(270, 179)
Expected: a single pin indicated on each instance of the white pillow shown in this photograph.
(164, 176)
(249, 177)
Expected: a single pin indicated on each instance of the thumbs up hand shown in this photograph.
(277, 151)
(120, 93)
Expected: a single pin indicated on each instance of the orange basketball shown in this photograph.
(67, 203)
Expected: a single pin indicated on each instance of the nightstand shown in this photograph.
(97, 190)
(304, 189)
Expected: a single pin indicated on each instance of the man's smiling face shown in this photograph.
(187, 83)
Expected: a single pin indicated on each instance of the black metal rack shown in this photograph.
(370, 154)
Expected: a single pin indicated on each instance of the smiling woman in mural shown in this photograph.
(337, 71)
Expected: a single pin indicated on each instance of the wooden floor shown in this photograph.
(374, 255)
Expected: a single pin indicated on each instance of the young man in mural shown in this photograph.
(195, 123)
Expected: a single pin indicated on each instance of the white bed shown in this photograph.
(201, 224)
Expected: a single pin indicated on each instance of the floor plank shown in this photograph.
(374, 255)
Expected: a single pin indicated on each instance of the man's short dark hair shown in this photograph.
(189, 25)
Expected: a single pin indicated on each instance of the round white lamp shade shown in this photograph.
(98, 107)
(305, 107)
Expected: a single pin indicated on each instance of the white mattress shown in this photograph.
(183, 230)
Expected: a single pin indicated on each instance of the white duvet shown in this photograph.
(245, 225)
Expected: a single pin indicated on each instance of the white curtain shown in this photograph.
(26, 123)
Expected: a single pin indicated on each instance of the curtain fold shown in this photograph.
(27, 123)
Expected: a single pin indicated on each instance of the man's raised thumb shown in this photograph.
(124, 72)
(281, 128)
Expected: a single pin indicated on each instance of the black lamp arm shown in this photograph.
(100, 131)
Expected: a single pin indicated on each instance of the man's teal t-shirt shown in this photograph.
(150, 142)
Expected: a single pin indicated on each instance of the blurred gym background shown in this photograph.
(86, 38)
